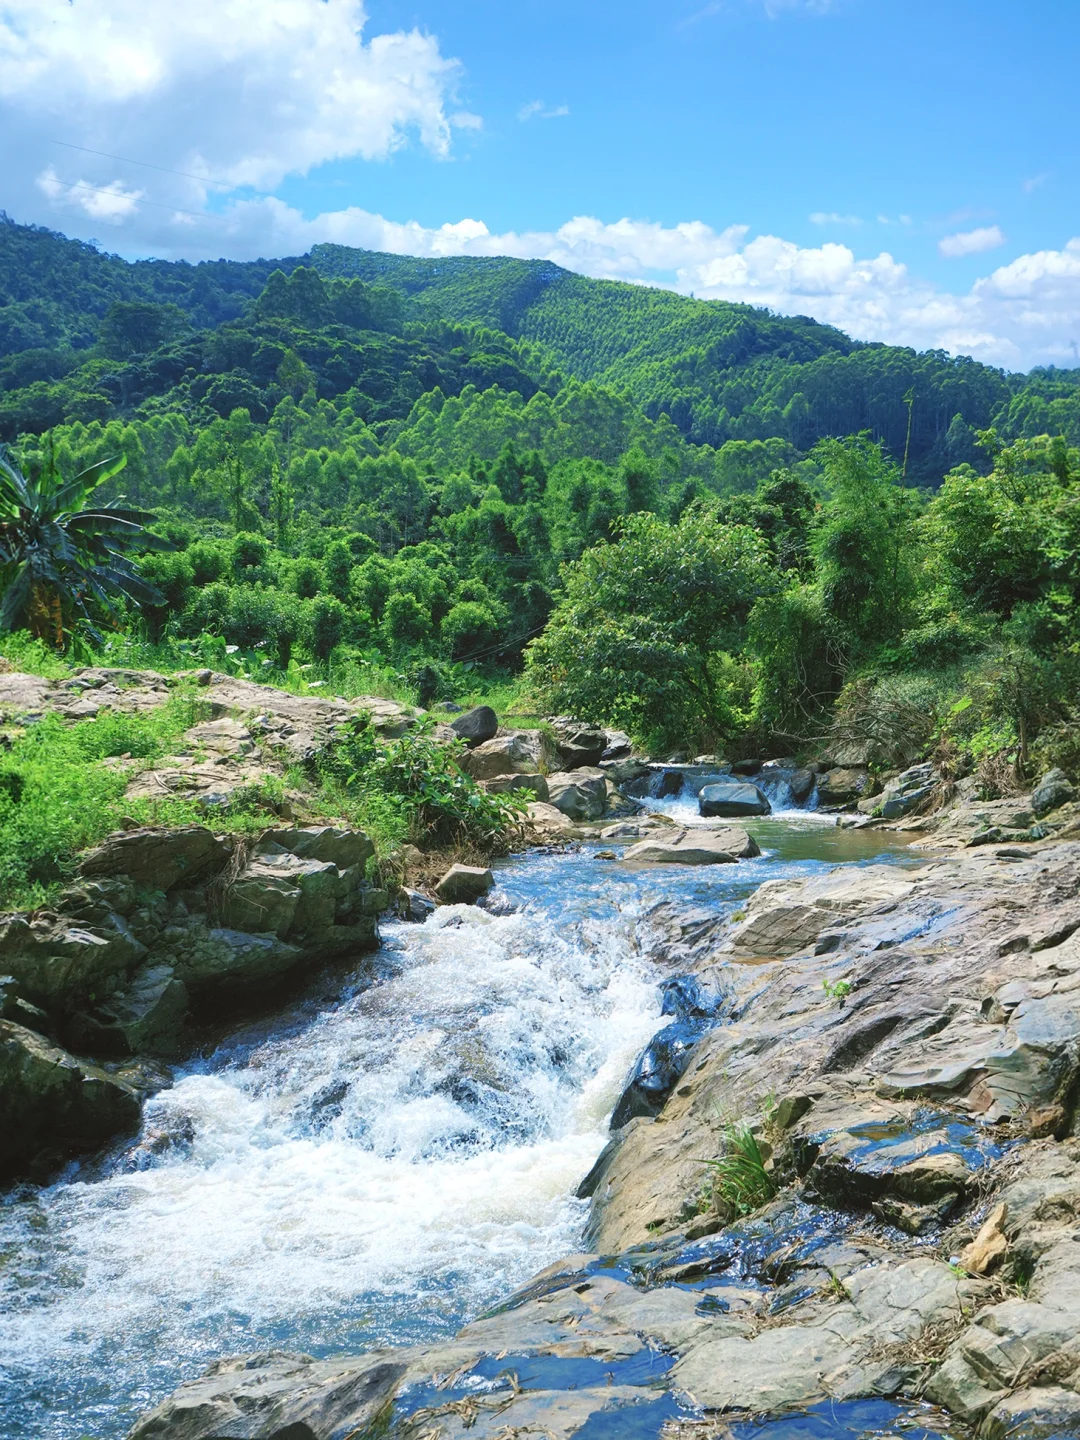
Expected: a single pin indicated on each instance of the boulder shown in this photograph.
(579, 794)
(158, 859)
(51, 1101)
(59, 963)
(551, 824)
(291, 1397)
(1053, 790)
(582, 746)
(464, 884)
(503, 755)
(907, 792)
(844, 786)
(732, 799)
(801, 784)
(745, 767)
(476, 726)
(695, 847)
(534, 785)
(414, 906)
(212, 961)
(145, 1017)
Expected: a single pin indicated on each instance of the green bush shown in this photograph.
(418, 779)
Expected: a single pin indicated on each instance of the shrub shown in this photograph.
(328, 618)
(419, 776)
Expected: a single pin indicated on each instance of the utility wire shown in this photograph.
(162, 169)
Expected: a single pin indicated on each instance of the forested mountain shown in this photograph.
(370, 459)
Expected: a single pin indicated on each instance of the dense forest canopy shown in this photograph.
(692, 517)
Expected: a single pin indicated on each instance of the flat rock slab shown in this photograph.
(695, 847)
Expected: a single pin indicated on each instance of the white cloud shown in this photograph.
(247, 91)
(112, 203)
(830, 217)
(971, 242)
(535, 110)
(1034, 182)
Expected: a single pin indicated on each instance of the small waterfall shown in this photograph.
(673, 789)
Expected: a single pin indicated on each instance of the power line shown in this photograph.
(138, 200)
(146, 165)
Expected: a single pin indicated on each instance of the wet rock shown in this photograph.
(49, 1101)
(414, 906)
(842, 786)
(694, 847)
(625, 772)
(476, 726)
(732, 800)
(658, 1071)
(745, 767)
(463, 885)
(146, 1016)
(1044, 1412)
(1053, 790)
(279, 1397)
(579, 794)
(801, 784)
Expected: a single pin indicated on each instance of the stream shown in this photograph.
(379, 1162)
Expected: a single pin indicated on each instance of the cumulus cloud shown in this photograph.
(971, 242)
(111, 203)
(244, 91)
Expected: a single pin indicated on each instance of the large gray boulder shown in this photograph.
(910, 790)
(476, 726)
(579, 794)
(1053, 790)
(843, 785)
(504, 755)
(158, 859)
(534, 785)
(732, 799)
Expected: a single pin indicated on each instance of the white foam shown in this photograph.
(472, 1093)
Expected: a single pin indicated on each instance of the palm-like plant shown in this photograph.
(60, 556)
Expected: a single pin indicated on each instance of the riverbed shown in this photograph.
(377, 1163)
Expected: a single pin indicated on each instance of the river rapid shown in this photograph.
(377, 1163)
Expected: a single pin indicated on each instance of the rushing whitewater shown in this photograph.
(376, 1165)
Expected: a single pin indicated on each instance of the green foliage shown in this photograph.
(418, 782)
(738, 1181)
(640, 637)
(61, 558)
(56, 798)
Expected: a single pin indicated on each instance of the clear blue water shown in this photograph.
(387, 1158)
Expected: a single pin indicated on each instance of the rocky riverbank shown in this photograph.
(903, 1049)
(163, 928)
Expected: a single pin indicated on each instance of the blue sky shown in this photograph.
(905, 169)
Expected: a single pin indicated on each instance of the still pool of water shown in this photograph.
(378, 1163)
